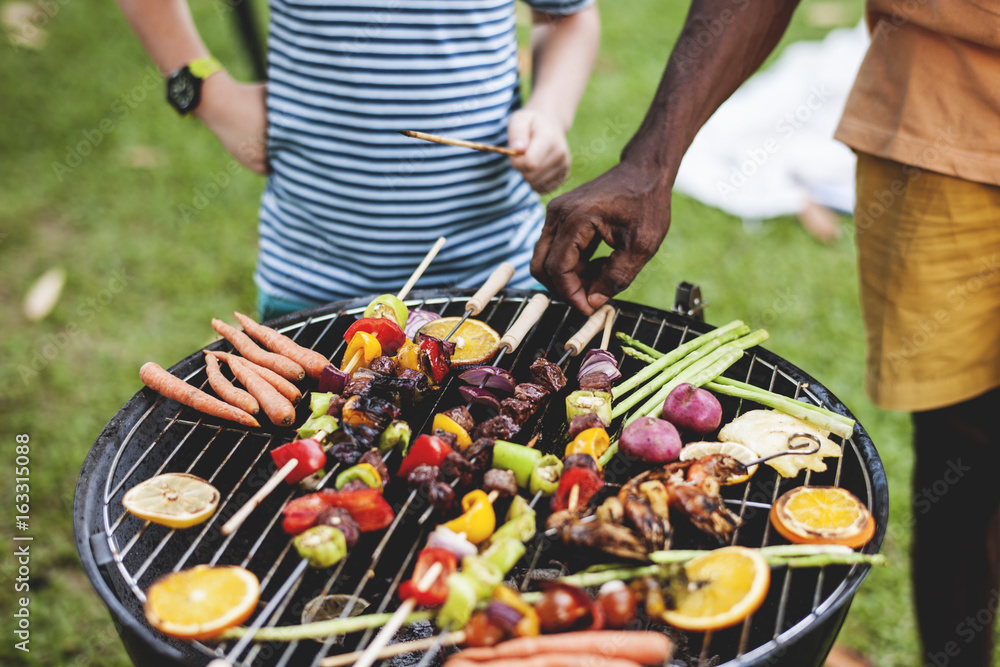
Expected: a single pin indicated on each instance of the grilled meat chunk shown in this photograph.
(447, 436)
(502, 481)
(341, 519)
(441, 496)
(582, 422)
(519, 411)
(500, 427)
(360, 383)
(548, 374)
(596, 381)
(460, 415)
(530, 392)
(456, 466)
(374, 459)
(480, 454)
(422, 477)
(383, 365)
(336, 405)
(608, 537)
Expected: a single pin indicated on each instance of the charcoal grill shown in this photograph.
(123, 555)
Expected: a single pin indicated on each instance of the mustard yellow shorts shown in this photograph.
(929, 262)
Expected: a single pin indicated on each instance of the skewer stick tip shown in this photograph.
(574, 497)
(236, 520)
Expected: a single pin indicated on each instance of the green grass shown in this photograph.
(143, 284)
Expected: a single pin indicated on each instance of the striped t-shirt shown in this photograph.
(351, 206)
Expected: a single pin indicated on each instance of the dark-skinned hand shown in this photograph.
(628, 208)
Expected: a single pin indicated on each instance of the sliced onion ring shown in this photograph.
(332, 380)
(503, 615)
(480, 396)
(494, 378)
(417, 319)
(599, 361)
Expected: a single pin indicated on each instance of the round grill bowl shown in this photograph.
(121, 555)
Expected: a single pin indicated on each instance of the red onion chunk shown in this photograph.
(599, 361)
(503, 615)
(444, 538)
(417, 319)
(332, 380)
(480, 396)
(493, 377)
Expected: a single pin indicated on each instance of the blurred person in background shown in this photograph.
(922, 118)
(351, 206)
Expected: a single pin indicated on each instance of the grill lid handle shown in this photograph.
(517, 331)
(500, 277)
(594, 323)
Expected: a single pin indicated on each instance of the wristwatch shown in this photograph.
(184, 85)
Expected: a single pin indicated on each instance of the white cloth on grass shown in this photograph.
(769, 149)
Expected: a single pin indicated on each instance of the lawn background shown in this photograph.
(143, 282)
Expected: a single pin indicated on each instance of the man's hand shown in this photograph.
(237, 114)
(628, 208)
(545, 163)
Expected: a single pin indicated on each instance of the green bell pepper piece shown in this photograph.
(364, 472)
(322, 546)
(505, 552)
(314, 425)
(545, 475)
(396, 434)
(319, 403)
(484, 574)
(460, 603)
(584, 402)
(517, 458)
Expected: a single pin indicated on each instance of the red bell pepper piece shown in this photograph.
(309, 453)
(367, 507)
(589, 482)
(300, 513)
(388, 333)
(434, 358)
(426, 449)
(437, 592)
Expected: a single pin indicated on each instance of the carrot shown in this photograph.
(648, 648)
(172, 387)
(548, 660)
(283, 366)
(225, 389)
(277, 408)
(284, 387)
(312, 361)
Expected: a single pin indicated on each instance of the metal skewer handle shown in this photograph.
(529, 316)
(803, 449)
(594, 323)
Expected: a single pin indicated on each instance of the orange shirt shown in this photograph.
(928, 92)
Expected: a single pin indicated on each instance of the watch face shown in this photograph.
(183, 90)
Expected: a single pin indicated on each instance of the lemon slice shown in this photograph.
(475, 342)
(741, 453)
(724, 587)
(174, 499)
(822, 515)
(201, 602)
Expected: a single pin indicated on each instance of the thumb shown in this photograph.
(616, 273)
(519, 130)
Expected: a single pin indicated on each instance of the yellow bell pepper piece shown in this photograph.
(366, 345)
(449, 425)
(593, 441)
(409, 356)
(478, 520)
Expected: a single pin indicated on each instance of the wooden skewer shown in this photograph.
(371, 653)
(402, 648)
(608, 323)
(236, 520)
(419, 271)
(461, 143)
(574, 497)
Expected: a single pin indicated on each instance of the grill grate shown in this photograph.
(234, 460)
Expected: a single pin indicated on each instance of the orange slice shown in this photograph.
(475, 342)
(174, 499)
(724, 587)
(822, 515)
(201, 602)
(741, 453)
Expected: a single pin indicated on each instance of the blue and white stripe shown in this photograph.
(352, 206)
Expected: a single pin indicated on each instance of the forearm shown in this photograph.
(722, 43)
(166, 31)
(563, 52)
